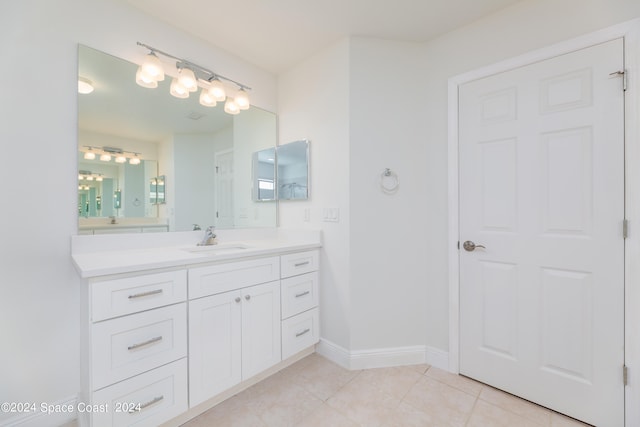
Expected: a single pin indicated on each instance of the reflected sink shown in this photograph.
(228, 247)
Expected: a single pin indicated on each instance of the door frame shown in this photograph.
(630, 32)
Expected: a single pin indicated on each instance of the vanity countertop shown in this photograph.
(115, 261)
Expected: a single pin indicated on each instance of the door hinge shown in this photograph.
(622, 74)
(625, 228)
(458, 244)
(217, 216)
(625, 375)
(217, 169)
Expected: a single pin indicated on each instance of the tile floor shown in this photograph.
(316, 392)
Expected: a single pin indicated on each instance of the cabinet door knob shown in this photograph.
(247, 297)
(237, 299)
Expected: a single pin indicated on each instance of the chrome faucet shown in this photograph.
(209, 237)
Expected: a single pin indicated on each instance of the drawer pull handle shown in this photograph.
(299, 334)
(147, 404)
(142, 344)
(145, 294)
(300, 264)
(301, 294)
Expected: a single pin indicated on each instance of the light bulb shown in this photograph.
(145, 80)
(89, 178)
(187, 79)
(206, 99)
(242, 99)
(121, 159)
(178, 90)
(85, 86)
(80, 177)
(151, 68)
(231, 107)
(89, 155)
(134, 160)
(216, 90)
(99, 178)
(105, 157)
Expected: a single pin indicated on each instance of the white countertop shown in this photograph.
(92, 263)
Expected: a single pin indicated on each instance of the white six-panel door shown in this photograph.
(541, 175)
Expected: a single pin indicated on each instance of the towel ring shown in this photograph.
(389, 182)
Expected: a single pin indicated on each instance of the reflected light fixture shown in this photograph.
(231, 107)
(85, 85)
(188, 77)
(206, 99)
(177, 89)
(107, 153)
(144, 80)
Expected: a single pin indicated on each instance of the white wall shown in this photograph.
(39, 291)
(313, 100)
(387, 231)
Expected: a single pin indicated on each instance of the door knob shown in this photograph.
(469, 246)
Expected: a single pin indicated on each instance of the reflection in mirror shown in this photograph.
(264, 175)
(293, 170)
(203, 154)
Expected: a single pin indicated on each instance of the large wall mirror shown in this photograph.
(173, 162)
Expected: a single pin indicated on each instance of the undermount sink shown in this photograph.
(217, 248)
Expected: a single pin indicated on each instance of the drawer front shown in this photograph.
(133, 344)
(299, 263)
(299, 293)
(118, 297)
(300, 332)
(149, 399)
(215, 279)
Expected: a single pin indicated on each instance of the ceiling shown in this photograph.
(277, 34)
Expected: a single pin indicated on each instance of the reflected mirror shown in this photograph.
(264, 175)
(202, 156)
(293, 170)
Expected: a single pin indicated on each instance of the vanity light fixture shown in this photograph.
(135, 160)
(105, 157)
(189, 77)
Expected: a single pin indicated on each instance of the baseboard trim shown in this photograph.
(382, 357)
(56, 418)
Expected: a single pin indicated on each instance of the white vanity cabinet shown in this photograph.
(299, 293)
(233, 334)
(134, 343)
(162, 341)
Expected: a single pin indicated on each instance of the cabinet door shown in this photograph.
(260, 328)
(214, 345)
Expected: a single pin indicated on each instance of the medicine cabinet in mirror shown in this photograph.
(172, 162)
(292, 162)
